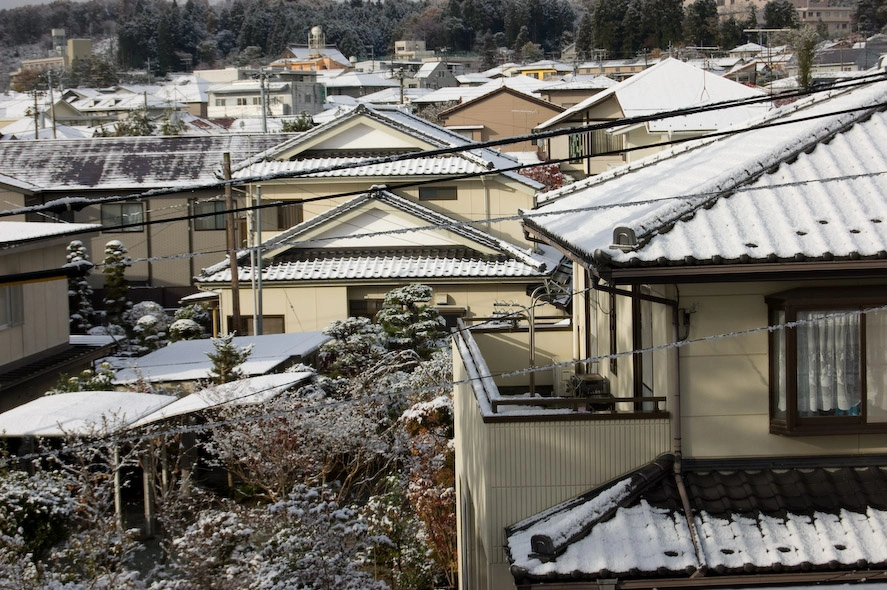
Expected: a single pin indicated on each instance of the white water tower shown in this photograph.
(316, 41)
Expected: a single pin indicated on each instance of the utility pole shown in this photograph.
(230, 227)
(262, 95)
(36, 117)
(51, 103)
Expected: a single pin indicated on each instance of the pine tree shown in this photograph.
(79, 291)
(116, 301)
(226, 358)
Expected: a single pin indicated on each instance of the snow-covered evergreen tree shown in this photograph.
(79, 291)
(149, 324)
(409, 323)
(115, 263)
(226, 358)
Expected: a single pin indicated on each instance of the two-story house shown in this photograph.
(164, 238)
(722, 421)
(341, 190)
(668, 85)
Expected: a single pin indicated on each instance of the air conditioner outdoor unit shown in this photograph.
(594, 387)
(562, 379)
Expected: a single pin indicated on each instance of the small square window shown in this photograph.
(220, 102)
(122, 217)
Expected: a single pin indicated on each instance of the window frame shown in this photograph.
(220, 214)
(790, 303)
(12, 306)
(438, 193)
(112, 220)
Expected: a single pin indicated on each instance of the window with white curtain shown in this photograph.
(828, 361)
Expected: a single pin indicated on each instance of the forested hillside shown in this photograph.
(165, 36)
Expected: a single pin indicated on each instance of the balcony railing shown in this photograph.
(495, 357)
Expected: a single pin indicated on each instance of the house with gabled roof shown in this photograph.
(184, 170)
(434, 75)
(325, 166)
(670, 84)
(723, 414)
(341, 263)
(499, 114)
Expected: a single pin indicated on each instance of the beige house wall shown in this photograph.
(503, 114)
(313, 307)
(726, 381)
(167, 245)
(303, 309)
(45, 314)
(478, 199)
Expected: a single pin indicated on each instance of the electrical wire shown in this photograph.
(117, 437)
(479, 146)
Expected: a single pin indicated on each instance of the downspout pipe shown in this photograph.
(677, 432)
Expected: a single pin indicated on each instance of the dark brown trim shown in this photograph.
(826, 578)
(575, 417)
(775, 271)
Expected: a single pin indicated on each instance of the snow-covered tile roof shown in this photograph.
(810, 187)
(12, 232)
(749, 518)
(581, 82)
(359, 80)
(671, 84)
(442, 165)
(121, 163)
(520, 83)
(187, 361)
(252, 390)
(81, 412)
(436, 247)
(395, 117)
(392, 95)
(426, 264)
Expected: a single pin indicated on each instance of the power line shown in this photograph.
(80, 202)
(117, 437)
(418, 183)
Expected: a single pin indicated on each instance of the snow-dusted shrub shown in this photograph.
(409, 323)
(190, 322)
(36, 509)
(115, 263)
(185, 329)
(356, 342)
(98, 379)
(306, 438)
(226, 358)
(149, 323)
(314, 543)
(403, 559)
(304, 541)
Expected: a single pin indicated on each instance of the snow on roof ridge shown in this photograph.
(742, 172)
(773, 115)
(380, 193)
